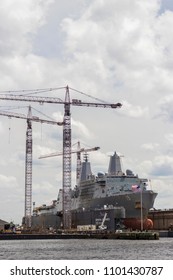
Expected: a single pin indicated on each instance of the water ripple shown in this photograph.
(86, 249)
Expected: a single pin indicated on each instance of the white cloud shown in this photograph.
(169, 139)
(80, 130)
(133, 111)
(1, 128)
(150, 146)
(18, 20)
(165, 107)
(8, 181)
(166, 5)
(164, 198)
(160, 166)
(117, 42)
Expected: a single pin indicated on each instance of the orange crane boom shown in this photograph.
(28, 157)
(66, 136)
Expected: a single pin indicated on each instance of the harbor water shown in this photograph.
(87, 249)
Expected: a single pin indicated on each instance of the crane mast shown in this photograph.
(67, 163)
(78, 165)
(28, 171)
(28, 158)
(66, 138)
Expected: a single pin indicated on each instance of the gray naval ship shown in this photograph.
(116, 198)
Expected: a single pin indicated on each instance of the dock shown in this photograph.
(84, 235)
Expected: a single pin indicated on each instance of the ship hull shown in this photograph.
(132, 202)
(131, 217)
(46, 221)
(138, 224)
(53, 221)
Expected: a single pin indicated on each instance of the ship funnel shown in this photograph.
(115, 165)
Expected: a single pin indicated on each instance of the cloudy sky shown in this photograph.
(116, 51)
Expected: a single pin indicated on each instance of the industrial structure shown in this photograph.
(66, 135)
(162, 219)
(28, 157)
